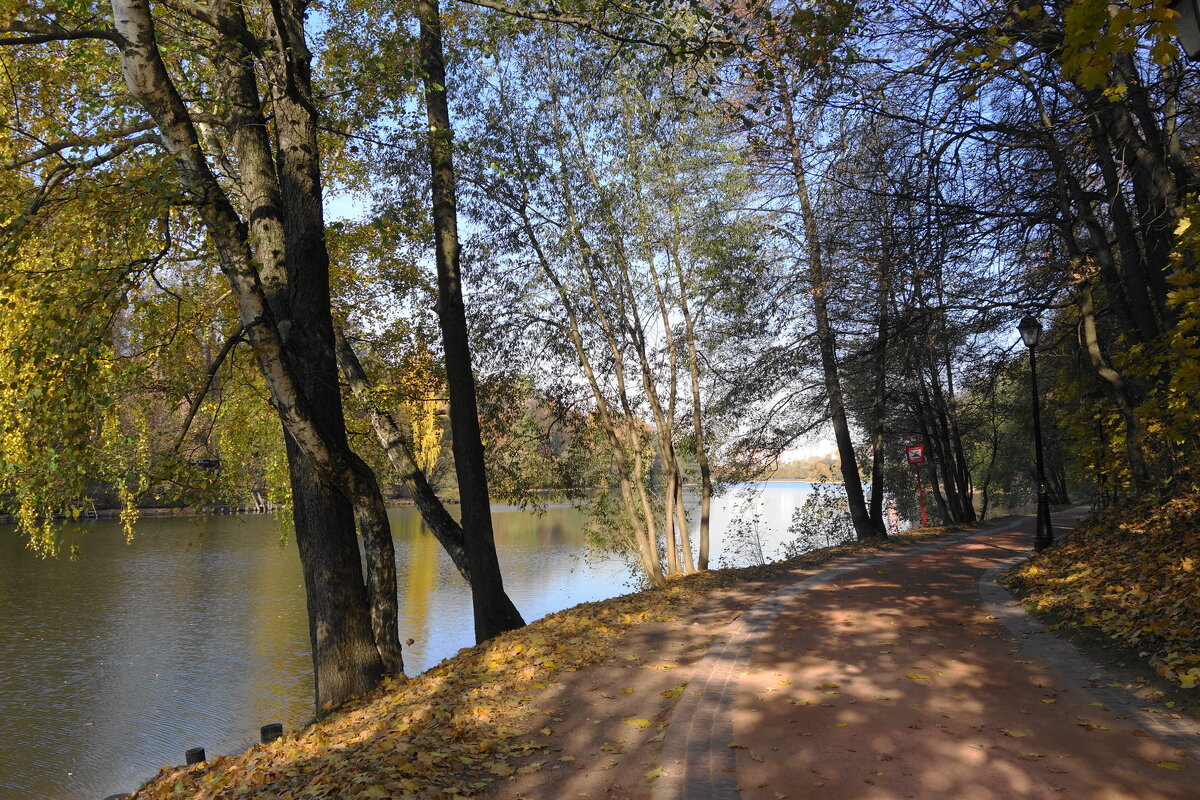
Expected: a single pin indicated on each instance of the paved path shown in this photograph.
(911, 675)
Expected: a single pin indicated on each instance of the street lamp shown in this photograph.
(1031, 331)
(1187, 27)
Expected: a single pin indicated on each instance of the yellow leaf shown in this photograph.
(1014, 734)
(638, 723)
(376, 791)
(918, 677)
(503, 770)
(1169, 765)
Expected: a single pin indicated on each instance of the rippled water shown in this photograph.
(194, 634)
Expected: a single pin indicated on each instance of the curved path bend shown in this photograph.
(912, 675)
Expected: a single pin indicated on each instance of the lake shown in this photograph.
(194, 634)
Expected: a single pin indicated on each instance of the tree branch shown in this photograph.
(94, 140)
(60, 174)
(588, 23)
(209, 376)
(40, 34)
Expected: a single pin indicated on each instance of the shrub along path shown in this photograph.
(875, 677)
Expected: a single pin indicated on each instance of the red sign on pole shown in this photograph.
(915, 455)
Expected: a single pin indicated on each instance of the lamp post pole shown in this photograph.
(1045, 533)
(1031, 331)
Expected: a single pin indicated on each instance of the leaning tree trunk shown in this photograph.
(443, 526)
(493, 615)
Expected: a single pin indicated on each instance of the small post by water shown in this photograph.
(270, 732)
(194, 756)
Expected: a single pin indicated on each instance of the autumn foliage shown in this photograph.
(1132, 573)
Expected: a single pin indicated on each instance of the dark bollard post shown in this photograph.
(270, 732)
(195, 756)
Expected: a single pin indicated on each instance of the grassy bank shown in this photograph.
(1127, 579)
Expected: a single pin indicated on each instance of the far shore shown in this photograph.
(225, 509)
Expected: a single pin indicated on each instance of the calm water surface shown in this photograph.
(194, 634)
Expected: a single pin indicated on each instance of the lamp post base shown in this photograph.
(1045, 528)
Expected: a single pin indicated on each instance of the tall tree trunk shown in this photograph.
(1134, 430)
(698, 427)
(493, 615)
(1137, 289)
(670, 495)
(619, 275)
(920, 411)
(879, 398)
(641, 529)
(994, 448)
(818, 282)
(309, 336)
(619, 424)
